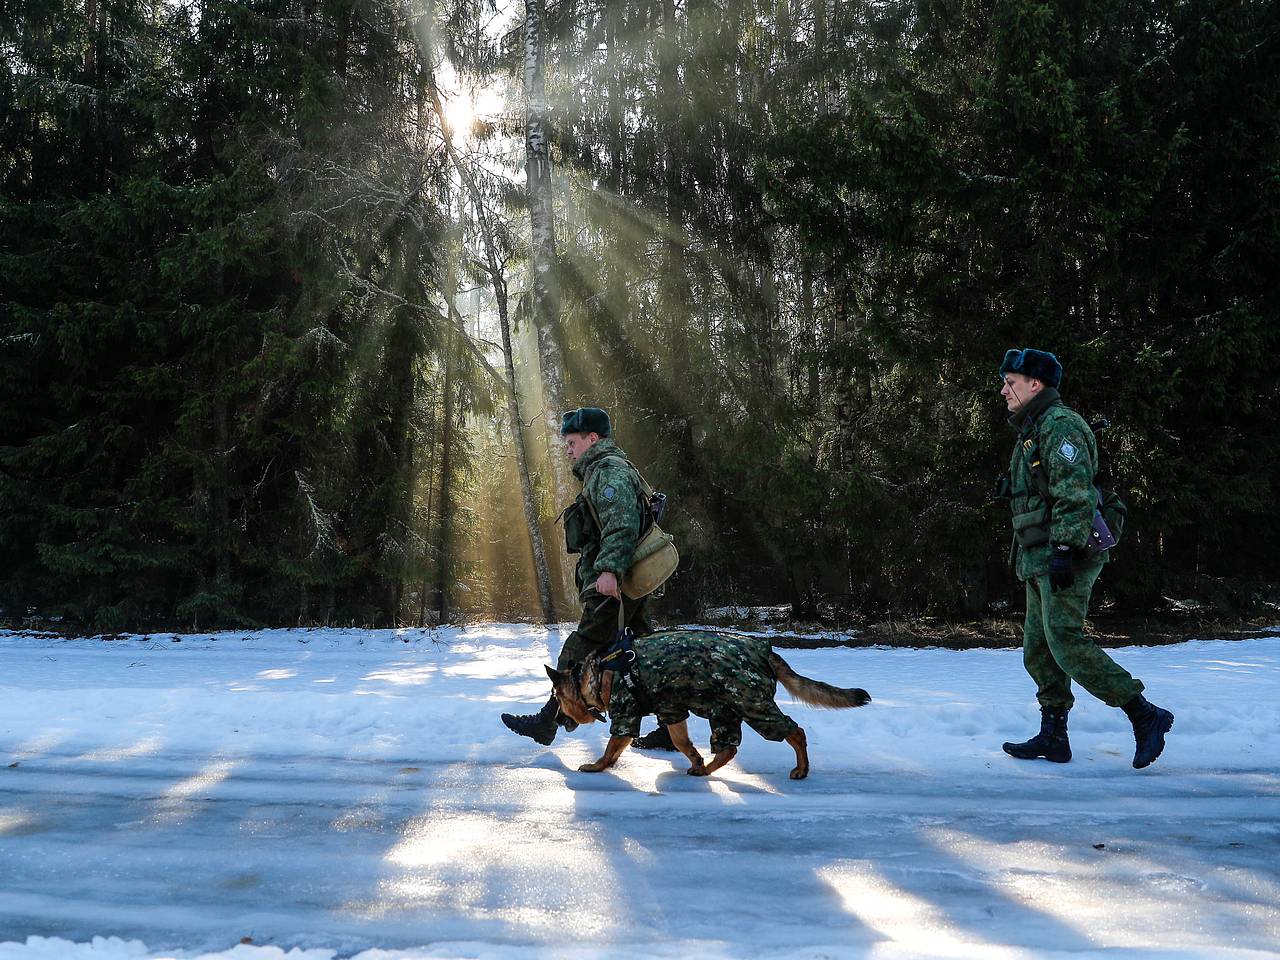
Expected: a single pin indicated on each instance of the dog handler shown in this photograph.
(611, 492)
(1053, 498)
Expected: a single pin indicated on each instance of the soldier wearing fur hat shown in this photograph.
(602, 526)
(1053, 498)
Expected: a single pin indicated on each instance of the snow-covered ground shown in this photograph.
(336, 793)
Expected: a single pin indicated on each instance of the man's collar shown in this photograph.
(1037, 405)
(603, 447)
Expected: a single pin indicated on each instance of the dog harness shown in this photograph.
(620, 657)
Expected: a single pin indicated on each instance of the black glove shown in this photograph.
(1061, 574)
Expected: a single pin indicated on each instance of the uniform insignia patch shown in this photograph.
(607, 493)
(1068, 451)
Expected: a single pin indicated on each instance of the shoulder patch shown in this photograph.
(607, 493)
(1068, 451)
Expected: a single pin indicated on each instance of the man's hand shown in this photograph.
(1061, 574)
(607, 585)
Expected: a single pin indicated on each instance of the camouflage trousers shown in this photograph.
(599, 626)
(1055, 650)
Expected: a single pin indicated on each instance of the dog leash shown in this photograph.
(620, 654)
(620, 657)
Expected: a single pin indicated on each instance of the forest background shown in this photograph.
(293, 291)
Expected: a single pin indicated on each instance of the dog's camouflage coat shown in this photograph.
(726, 678)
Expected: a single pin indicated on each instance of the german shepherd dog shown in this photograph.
(727, 678)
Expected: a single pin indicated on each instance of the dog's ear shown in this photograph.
(561, 682)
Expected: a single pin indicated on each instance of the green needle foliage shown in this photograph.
(217, 239)
(795, 238)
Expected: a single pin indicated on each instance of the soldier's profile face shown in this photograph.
(1018, 389)
(576, 444)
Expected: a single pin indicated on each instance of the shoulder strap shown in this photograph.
(644, 484)
(594, 516)
(645, 489)
(1039, 475)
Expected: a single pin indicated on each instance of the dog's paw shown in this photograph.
(697, 770)
(595, 767)
(799, 773)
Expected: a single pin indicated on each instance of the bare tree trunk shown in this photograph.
(678, 294)
(834, 40)
(542, 571)
(770, 314)
(537, 165)
(91, 11)
(809, 320)
(425, 587)
(541, 568)
(445, 530)
(821, 28)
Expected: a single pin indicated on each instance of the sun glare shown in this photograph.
(467, 106)
(459, 113)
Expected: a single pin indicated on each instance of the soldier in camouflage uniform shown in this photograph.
(1053, 498)
(602, 526)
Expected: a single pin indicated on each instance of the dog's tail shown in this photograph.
(814, 692)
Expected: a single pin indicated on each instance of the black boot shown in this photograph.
(658, 739)
(1150, 724)
(1051, 742)
(540, 726)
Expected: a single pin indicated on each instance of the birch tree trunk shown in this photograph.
(537, 165)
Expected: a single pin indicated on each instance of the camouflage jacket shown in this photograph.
(613, 489)
(724, 677)
(1069, 453)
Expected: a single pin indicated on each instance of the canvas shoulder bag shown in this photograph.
(655, 558)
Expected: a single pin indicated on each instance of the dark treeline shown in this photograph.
(240, 381)
(219, 239)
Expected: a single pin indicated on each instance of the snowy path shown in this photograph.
(355, 792)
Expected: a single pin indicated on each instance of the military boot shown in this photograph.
(540, 726)
(1150, 724)
(658, 739)
(1051, 742)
